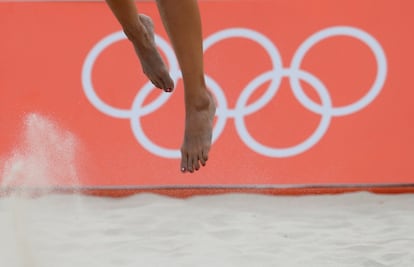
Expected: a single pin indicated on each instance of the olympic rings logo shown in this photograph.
(295, 74)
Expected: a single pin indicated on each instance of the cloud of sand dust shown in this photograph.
(45, 156)
(43, 159)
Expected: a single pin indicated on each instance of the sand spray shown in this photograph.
(43, 159)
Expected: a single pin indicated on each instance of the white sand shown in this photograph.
(228, 230)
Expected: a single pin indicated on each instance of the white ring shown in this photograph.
(301, 147)
(340, 31)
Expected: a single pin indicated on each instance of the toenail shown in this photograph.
(168, 90)
(182, 169)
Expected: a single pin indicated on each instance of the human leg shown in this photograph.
(182, 21)
(140, 31)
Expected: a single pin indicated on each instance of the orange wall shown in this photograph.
(351, 123)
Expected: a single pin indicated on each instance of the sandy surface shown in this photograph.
(359, 229)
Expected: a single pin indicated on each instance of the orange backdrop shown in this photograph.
(351, 123)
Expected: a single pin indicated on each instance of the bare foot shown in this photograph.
(152, 64)
(198, 133)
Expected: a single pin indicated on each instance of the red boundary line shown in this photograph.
(186, 192)
(190, 192)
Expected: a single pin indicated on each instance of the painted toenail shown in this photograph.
(182, 169)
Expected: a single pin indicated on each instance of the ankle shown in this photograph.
(200, 100)
(139, 36)
(135, 32)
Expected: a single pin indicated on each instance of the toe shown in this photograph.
(156, 83)
(196, 164)
(161, 82)
(202, 160)
(190, 164)
(166, 82)
(184, 159)
(169, 83)
(205, 156)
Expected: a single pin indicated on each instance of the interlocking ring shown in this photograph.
(241, 110)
